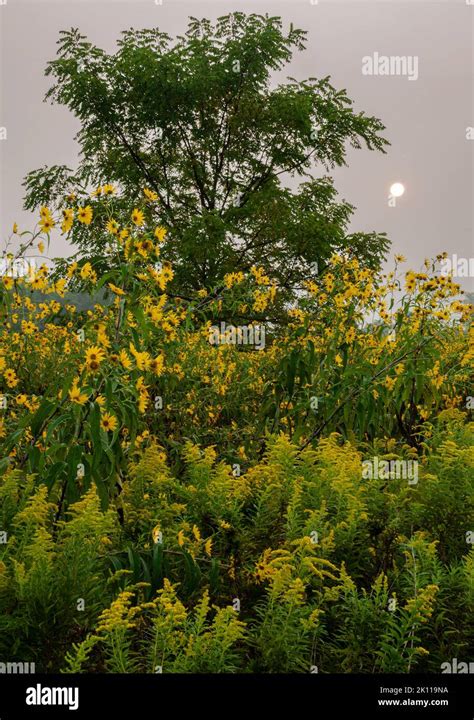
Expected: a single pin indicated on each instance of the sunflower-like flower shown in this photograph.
(112, 227)
(75, 394)
(47, 224)
(108, 422)
(160, 233)
(115, 289)
(84, 215)
(138, 217)
(68, 218)
(150, 195)
(94, 356)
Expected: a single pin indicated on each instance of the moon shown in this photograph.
(397, 189)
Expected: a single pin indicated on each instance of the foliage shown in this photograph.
(302, 603)
(198, 122)
(173, 499)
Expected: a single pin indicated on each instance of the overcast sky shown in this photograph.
(426, 118)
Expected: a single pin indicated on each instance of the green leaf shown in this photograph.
(44, 410)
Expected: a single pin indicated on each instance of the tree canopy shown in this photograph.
(198, 121)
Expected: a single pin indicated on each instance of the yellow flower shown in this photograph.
(47, 224)
(84, 215)
(144, 247)
(94, 356)
(410, 281)
(108, 422)
(142, 359)
(59, 287)
(231, 279)
(125, 360)
(167, 274)
(112, 227)
(389, 382)
(138, 217)
(38, 283)
(86, 271)
(157, 365)
(259, 275)
(108, 189)
(150, 194)
(68, 218)
(119, 616)
(115, 289)
(41, 247)
(72, 269)
(11, 378)
(28, 327)
(160, 233)
(142, 402)
(15, 228)
(75, 394)
(350, 335)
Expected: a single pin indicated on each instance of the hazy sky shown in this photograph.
(426, 118)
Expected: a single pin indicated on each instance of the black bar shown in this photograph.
(168, 695)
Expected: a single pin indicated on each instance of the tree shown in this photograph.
(198, 122)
